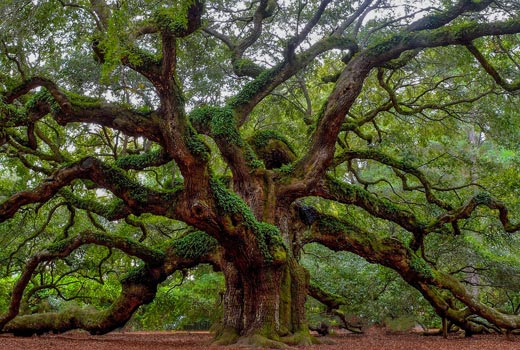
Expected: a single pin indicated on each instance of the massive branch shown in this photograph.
(348, 87)
(136, 198)
(68, 108)
(340, 235)
(138, 287)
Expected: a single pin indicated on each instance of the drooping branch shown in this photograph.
(65, 248)
(339, 235)
(138, 287)
(488, 67)
(333, 303)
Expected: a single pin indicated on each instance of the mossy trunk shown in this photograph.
(265, 305)
(264, 302)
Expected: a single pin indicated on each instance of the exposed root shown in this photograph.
(301, 338)
(229, 336)
(259, 341)
(226, 336)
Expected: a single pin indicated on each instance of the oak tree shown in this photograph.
(234, 134)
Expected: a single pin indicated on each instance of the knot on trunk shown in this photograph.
(272, 148)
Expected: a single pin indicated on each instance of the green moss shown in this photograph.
(173, 18)
(246, 67)
(251, 158)
(329, 225)
(252, 88)
(81, 101)
(106, 210)
(287, 168)
(194, 245)
(137, 275)
(121, 183)
(272, 148)
(385, 45)
(219, 120)
(11, 116)
(226, 336)
(483, 198)
(261, 139)
(141, 58)
(353, 194)
(197, 145)
(268, 236)
(420, 266)
(168, 19)
(242, 63)
(139, 161)
(43, 96)
(59, 246)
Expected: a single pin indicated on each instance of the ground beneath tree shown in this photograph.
(374, 339)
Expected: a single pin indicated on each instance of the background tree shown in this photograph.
(139, 137)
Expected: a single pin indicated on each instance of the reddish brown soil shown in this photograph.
(372, 340)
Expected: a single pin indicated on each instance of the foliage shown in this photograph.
(376, 294)
(393, 124)
(187, 301)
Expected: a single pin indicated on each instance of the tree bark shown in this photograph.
(264, 302)
(265, 305)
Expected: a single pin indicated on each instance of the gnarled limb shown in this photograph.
(138, 287)
(339, 235)
(66, 108)
(333, 303)
(465, 211)
(65, 248)
(348, 87)
(137, 198)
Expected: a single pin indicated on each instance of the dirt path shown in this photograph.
(372, 340)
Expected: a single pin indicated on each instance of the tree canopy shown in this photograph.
(139, 139)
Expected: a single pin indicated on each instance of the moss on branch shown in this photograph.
(268, 236)
(194, 245)
(272, 148)
(251, 89)
(181, 19)
(379, 207)
(218, 122)
(142, 160)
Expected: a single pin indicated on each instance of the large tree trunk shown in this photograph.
(264, 302)
(265, 305)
